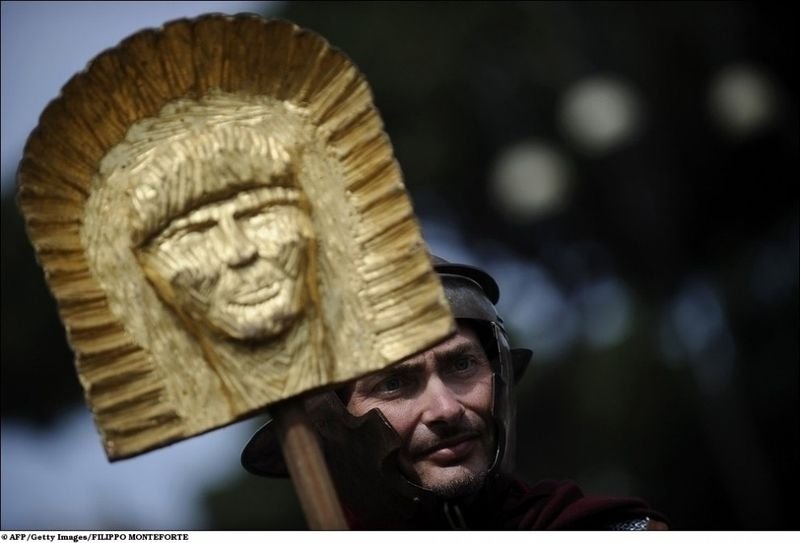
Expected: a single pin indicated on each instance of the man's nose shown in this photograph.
(236, 248)
(441, 404)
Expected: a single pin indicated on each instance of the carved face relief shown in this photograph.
(237, 266)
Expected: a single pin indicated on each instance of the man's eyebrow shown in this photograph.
(401, 369)
(404, 368)
(467, 348)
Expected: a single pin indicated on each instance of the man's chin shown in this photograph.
(454, 481)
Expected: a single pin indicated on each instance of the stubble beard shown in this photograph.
(461, 486)
(469, 478)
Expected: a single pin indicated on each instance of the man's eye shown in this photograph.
(389, 385)
(463, 364)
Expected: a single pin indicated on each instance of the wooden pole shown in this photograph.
(307, 467)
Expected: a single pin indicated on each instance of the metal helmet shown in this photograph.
(362, 451)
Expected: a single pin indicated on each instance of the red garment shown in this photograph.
(561, 505)
(509, 504)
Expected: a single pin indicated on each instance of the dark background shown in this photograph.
(684, 233)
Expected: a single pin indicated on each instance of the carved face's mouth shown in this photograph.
(249, 286)
(251, 297)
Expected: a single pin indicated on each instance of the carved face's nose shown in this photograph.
(236, 248)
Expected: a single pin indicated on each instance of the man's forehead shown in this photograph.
(464, 339)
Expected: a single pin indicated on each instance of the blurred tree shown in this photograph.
(38, 376)
(255, 503)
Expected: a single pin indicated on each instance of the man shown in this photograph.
(440, 404)
(428, 443)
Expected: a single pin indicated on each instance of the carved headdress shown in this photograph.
(203, 123)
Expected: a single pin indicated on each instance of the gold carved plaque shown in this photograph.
(223, 224)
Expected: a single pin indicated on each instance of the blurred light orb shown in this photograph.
(530, 181)
(607, 312)
(600, 113)
(742, 100)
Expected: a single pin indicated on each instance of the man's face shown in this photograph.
(439, 402)
(237, 265)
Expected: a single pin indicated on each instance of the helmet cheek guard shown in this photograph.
(472, 294)
(503, 408)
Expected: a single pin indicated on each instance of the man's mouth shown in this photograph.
(450, 451)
